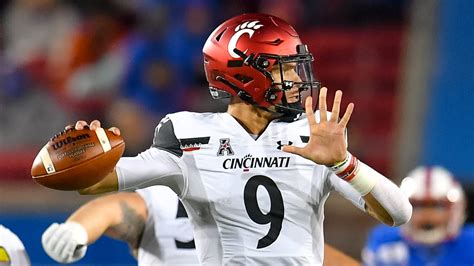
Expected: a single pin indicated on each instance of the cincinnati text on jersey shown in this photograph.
(248, 161)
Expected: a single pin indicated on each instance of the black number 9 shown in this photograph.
(277, 210)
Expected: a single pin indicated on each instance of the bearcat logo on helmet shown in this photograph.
(247, 27)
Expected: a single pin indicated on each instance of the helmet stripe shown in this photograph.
(428, 183)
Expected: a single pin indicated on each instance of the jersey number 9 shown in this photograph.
(277, 210)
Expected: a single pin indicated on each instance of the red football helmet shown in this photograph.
(240, 54)
(438, 205)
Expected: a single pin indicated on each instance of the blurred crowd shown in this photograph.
(127, 62)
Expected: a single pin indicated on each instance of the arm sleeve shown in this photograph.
(384, 191)
(389, 196)
(161, 164)
(346, 190)
(149, 168)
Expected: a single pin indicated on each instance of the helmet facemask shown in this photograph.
(430, 222)
(276, 94)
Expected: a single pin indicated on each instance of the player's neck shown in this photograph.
(252, 118)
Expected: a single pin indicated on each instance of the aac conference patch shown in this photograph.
(4, 258)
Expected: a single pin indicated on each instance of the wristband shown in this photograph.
(354, 172)
(346, 169)
(337, 165)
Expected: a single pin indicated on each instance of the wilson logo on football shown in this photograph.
(247, 27)
(69, 140)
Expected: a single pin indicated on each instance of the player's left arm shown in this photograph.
(327, 146)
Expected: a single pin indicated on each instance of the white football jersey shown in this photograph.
(249, 202)
(12, 251)
(168, 237)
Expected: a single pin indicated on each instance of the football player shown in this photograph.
(151, 220)
(435, 234)
(12, 250)
(254, 179)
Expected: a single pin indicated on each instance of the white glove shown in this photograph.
(66, 242)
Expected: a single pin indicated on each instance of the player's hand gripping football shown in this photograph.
(95, 124)
(327, 142)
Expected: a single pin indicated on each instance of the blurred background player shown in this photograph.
(435, 235)
(152, 221)
(12, 251)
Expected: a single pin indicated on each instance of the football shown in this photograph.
(77, 159)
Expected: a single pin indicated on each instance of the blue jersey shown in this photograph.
(386, 246)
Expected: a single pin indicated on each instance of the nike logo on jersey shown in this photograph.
(249, 162)
(193, 144)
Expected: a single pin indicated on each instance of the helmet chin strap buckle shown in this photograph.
(262, 62)
(258, 62)
(271, 95)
